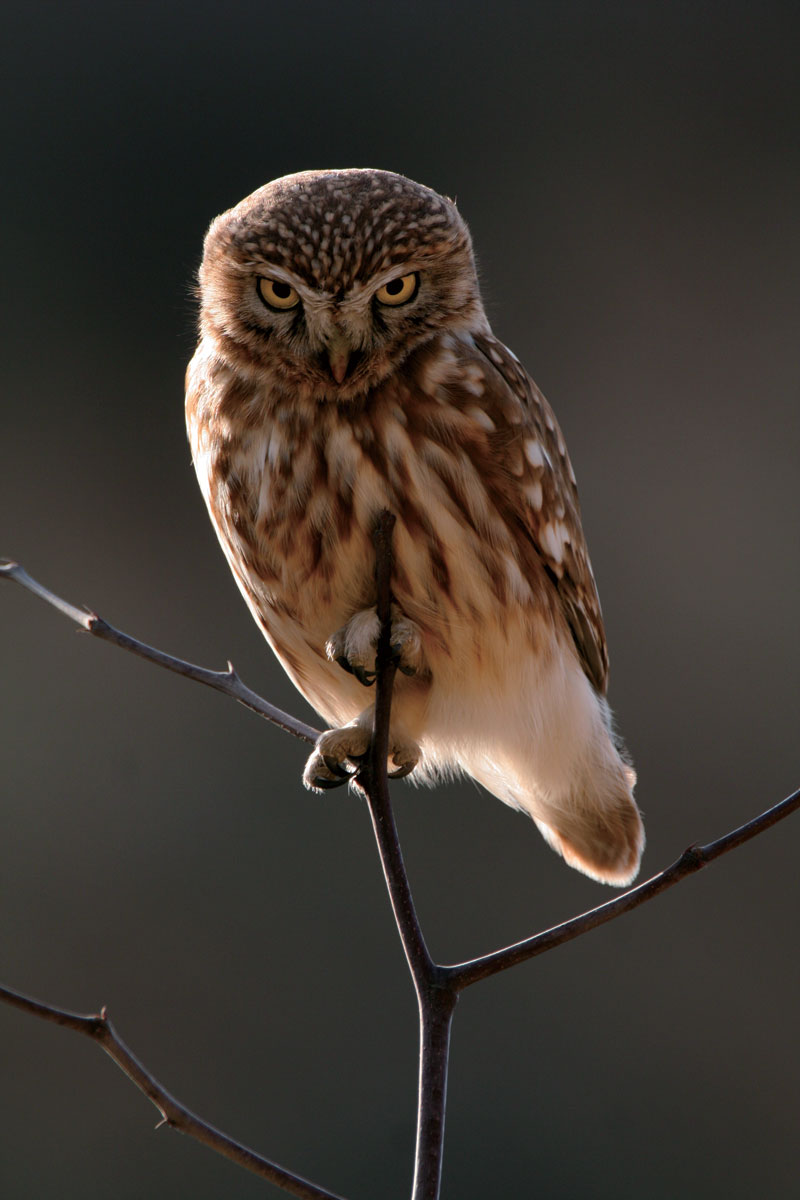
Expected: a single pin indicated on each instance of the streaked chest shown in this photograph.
(294, 492)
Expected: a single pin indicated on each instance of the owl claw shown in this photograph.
(364, 676)
(407, 668)
(354, 646)
(320, 784)
(331, 763)
(336, 768)
(323, 772)
(405, 757)
(367, 677)
(340, 752)
(401, 772)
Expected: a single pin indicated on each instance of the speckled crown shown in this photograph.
(339, 227)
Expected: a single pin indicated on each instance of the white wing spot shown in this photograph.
(480, 417)
(555, 536)
(474, 380)
(536, 454)
(533, 494)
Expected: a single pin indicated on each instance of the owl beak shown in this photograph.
(339, 351)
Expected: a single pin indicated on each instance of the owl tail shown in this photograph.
(597, 830)
(594, 824)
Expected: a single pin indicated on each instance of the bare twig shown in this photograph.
(173, 1113)
(437, 986)
(372, 777)
(227, 682)
(693, 859)
(435, 997)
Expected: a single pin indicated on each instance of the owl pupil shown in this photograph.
(395, 287)
(282, 290)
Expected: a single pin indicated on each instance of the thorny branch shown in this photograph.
(437, 986)
(227, 682)
(98, 1027)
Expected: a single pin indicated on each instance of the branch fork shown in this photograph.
(438, 987)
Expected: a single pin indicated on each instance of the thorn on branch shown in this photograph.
(227, 682)
(99, 1029)
(437, 985)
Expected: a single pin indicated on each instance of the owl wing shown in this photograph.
(550, 514)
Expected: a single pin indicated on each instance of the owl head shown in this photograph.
(329, 279)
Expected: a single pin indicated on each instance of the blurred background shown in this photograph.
(631, 174)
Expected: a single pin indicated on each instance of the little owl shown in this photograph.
(346, 366)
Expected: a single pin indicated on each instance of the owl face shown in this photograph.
(329, 279)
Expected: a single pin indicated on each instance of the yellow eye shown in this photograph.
(277, 294)
(398, 291)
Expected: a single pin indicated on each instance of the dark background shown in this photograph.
(631, 174)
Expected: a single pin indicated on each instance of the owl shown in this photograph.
(345, 366)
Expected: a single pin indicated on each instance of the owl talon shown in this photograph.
(405, 757)
(362, 674)
(332, 761)
(354, 646)
(401, 772)
(336, 768)
(324, 772)
(339, 753)
(407, 668)
(323, 784)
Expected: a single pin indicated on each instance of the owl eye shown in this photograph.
(398, 291)
(277, 294)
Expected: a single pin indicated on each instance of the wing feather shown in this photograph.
(550, 513)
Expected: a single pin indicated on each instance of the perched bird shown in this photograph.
(346, 366)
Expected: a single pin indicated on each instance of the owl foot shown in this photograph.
(355, 645)
(339, 753)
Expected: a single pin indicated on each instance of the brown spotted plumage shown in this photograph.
(345, 365)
